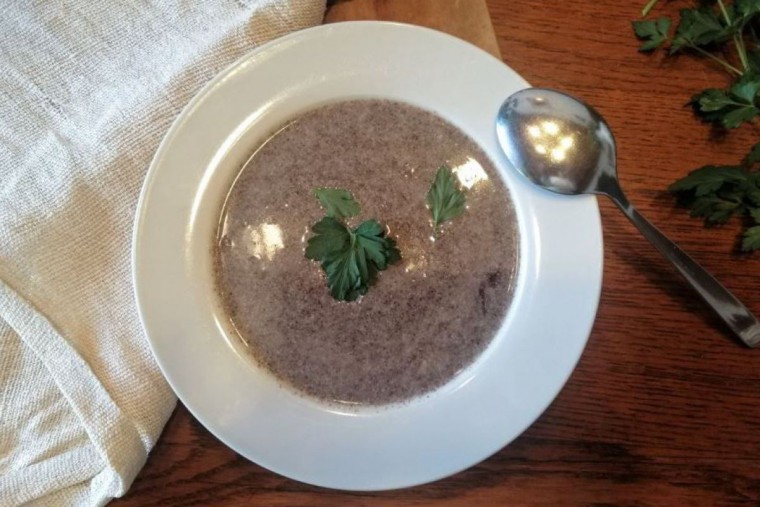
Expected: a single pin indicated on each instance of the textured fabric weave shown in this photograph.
(87, 90)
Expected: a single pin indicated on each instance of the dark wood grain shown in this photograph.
(664, 405)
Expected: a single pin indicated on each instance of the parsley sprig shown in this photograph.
(350, 257)
(445, 200)
(726, 33)
(337, 202)
(716, 193)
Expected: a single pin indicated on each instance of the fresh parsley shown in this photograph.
(698, 28)
(445, 200)
(350, 257)
(716, 193)
(752, 235)
(338, 202)
(653, 33)
(729, 108)
(726, 33)
(708, 30)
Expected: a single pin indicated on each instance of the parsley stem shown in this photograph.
(725, 12)
(721, 61)
(648, 7)
(738, 41)
(742, 51)
(741, 48)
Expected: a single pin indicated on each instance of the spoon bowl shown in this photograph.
(565, 146)
(556, 141)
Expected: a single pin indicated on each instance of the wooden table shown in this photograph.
(664, 406)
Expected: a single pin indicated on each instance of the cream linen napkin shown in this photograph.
(87, 90)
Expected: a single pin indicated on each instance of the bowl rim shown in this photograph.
(332, 36)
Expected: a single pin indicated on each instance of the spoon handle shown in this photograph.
(725, 304)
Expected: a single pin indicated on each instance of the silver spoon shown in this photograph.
(563, 145)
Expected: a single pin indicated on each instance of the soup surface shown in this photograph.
(428, 316)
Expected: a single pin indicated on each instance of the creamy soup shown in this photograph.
(426, 317)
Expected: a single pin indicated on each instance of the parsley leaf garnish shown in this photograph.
(753, 157)
(745, 10)
(716, 193)
(709, 179)
(730, 108)
(338, 202)
(751, 239)
(696, 28)
(445, 200)
(653, 33)
(351, 258)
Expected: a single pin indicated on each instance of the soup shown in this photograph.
(428, 316)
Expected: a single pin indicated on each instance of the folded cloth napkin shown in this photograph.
(87, 90)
